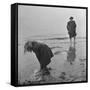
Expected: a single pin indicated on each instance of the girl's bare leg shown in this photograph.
(42, 67)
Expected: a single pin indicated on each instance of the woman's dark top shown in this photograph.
(71, 27)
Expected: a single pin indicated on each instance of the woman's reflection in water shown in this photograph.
(71, 54)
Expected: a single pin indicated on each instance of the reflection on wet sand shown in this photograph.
(39, 77)
(43, 76)
(71, 54)
(67, 65)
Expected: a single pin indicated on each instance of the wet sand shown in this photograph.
(67, 65)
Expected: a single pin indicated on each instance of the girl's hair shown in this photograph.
(28, 46)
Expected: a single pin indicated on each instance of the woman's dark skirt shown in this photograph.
(72, 34)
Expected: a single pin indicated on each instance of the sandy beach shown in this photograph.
(67, 65)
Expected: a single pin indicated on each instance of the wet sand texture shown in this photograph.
(67, 65)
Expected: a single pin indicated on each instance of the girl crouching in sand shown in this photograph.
(42, 52)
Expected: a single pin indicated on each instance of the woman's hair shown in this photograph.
(71, 17)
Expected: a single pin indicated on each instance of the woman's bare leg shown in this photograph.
(74, 39)
(70, 41)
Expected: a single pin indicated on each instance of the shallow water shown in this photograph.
(67, 65)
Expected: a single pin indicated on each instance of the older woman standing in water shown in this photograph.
(42, 51)
(71, 27)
